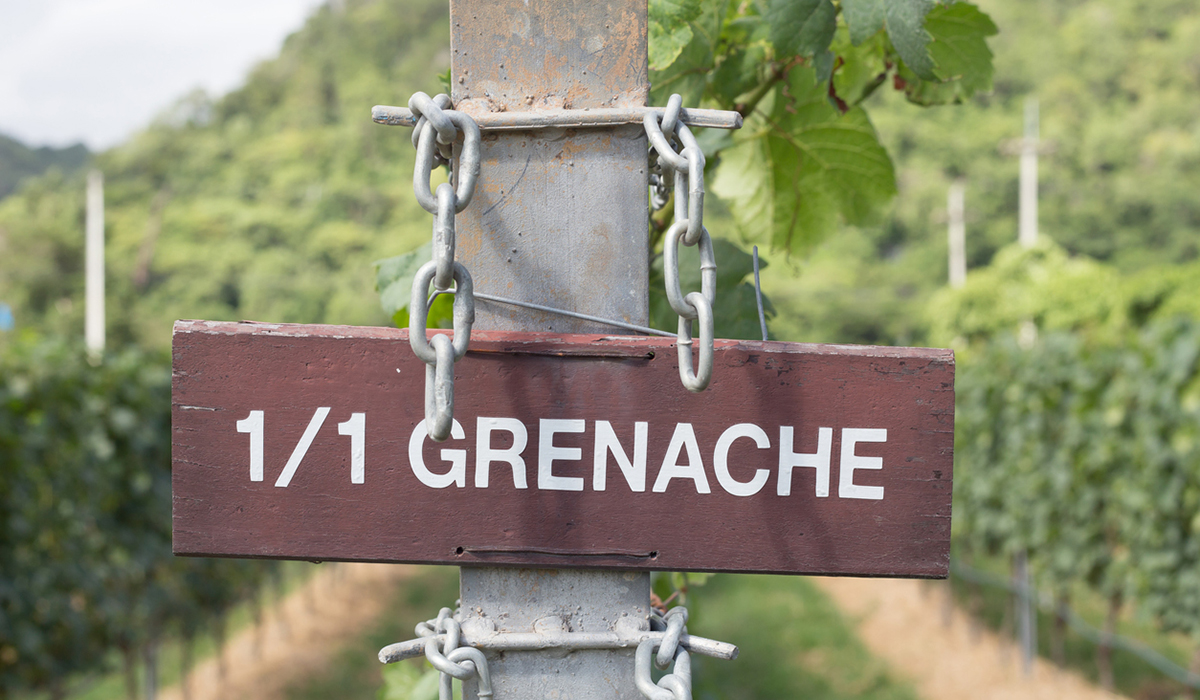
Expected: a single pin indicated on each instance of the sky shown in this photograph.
(95, 71)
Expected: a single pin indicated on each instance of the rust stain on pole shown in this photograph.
(560, 215)
(512, 55)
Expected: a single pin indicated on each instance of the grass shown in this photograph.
(794, 643)
(355, 673)
(1132, 676)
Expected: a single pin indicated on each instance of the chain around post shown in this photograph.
(442, 636)
(685, 169)
(676, 685)
(435, 136)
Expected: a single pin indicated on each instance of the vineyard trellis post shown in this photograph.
(767, 457)
(94, 268)
(583, 196)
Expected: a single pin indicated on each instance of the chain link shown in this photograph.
(435, 137)
(666, 646)
(676, 685)
(684, 169)
(451, 660)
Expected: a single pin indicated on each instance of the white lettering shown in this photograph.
(548, 452)
(457, 474)
(684, 436)
(721, 459)
(485, 454)
(606, 442)
(850, 461)
(818, 460)
(289, 469)
(356, 428)
(253, 424)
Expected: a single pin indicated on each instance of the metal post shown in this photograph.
(1028, 217)
(94, 268)
(958, 235)
(559, 218)
(1026, 616)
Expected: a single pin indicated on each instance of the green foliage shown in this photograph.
(355, 671)
(1117, 101)
(393, 280)
(85, 527)
(801, 27)
(669, 29)
(1053, 291)
(412, 680)
(793, 644)
(269, 203)
(808, 158)
(1084, 455)
(18, 162)
(800, 165)
(1119, 148)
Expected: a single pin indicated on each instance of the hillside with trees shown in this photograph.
(19, 162)
(1118, 85)
(274, 202)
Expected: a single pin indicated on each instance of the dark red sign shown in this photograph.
(307, 442)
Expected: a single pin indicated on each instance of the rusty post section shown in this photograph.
(560, 215)
(559, 219)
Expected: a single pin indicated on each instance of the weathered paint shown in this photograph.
(297, 374)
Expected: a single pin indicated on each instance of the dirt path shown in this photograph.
(905, 625)
(300, 636)
(900, 623)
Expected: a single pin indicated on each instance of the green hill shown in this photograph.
(269, 203)
(19, 162)
(1118, 83)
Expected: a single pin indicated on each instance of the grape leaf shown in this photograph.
(799, 166)
(393, 281)
(666, 44)
(905, 21)
(906, 29)
(394, 277)
(959, 48)
(670, 29)
(801, 27)
(863, 17)
(863, 67)
(688, 73)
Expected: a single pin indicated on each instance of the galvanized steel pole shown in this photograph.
(560, 219)
(955, 208)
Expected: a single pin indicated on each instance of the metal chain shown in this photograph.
(661, 180)
(676, 685)
(685, 168)
(436, 132)
(451, 660)
(666, 643)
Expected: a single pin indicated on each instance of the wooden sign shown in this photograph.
(307, 442)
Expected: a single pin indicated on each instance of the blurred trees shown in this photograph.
(1118, 82)
(85, 525)
(1078, 427)
(268, 203)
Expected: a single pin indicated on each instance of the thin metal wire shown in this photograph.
(563, 312)
(762, 318)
